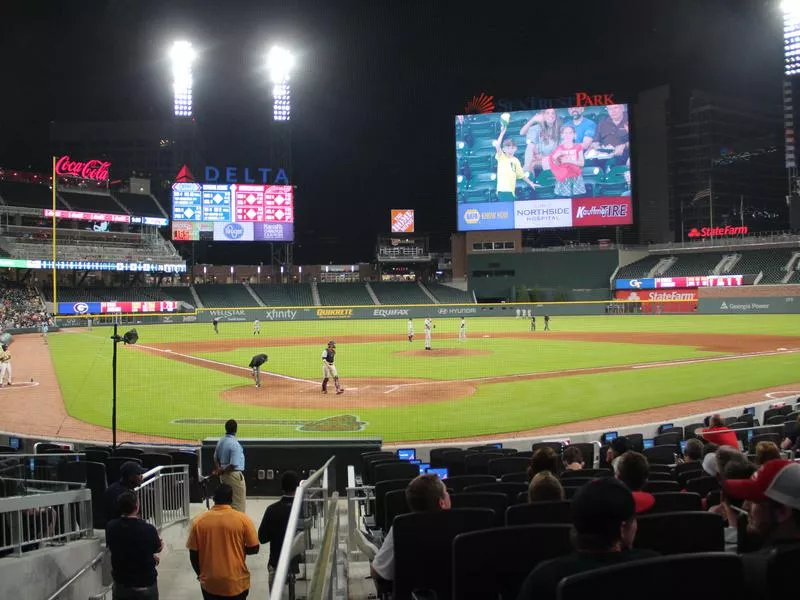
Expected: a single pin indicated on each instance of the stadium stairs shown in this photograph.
(446, 294)
(371, 293)
(427, 292)
(255, 297)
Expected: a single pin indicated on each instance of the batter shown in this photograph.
(329, 369)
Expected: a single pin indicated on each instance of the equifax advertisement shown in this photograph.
(651, 283)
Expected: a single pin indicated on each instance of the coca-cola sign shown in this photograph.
(94, 169)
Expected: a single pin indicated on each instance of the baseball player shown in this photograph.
(518, 311)
(5, 364)
(45, 329)
(256, 327)
(89, 323)
(547, 322)
(428, 326)
(462, 330)
(410, 329)
(215, 323)
(255, 364)
(533, 322)
(329, 369)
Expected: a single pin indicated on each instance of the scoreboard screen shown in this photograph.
(232, 212)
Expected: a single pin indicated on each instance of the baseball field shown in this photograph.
(183, 381)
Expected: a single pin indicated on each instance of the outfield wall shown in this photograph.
(328, 313)
(767, 299)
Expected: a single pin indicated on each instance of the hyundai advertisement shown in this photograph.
(552, 168)
(232, 212)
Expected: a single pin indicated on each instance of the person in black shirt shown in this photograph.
(130, 476)
(547, 322)
(215, 323)
(133, 545)
(255, 364)
(604, 518)
(274, 523)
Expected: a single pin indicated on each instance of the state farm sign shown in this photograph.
(727, 231)
(93, 169)
(683, 295)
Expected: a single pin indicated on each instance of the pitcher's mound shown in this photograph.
(443, 352)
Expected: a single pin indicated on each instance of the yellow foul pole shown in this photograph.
(55, 287)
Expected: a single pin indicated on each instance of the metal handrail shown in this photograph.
(77, 576)
(283, 562)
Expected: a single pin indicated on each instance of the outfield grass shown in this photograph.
(154, 391)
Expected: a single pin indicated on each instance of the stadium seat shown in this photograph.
(636, 441)
(494, 563)
(686, 471)
(128, 451)
(96, 455)
(775, 438)
(662, 455)
(514, 477)
(369, 467)
(570, 491)
(676, 501)
(459, 482)
(96, 481)
(7, 450)
(72, 471)
(497, 502)
(512, 490)
(478, 463)
(689, 430)
(437, 454)
(423, 548)
(399, 470)
(394, 504)
(508, 464)
(661, 476)
(681, 532)
(586, 474)
(557, 447)
(670, 438)
(587, 450)
(556, 511)
(702, 485)
(780, 575)
(655, 487)
(455, 463)
(381, 489)
(708, 575)
(151, 460)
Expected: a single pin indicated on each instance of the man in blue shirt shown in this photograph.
(585, 129)
(229, 463)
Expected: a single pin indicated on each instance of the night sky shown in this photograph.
(376, 87)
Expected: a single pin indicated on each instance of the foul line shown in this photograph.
(224, 364)
(617, 368)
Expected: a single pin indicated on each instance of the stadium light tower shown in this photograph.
(791, 36)
(182, 56)
(280, 63)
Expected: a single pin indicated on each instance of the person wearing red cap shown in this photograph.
(773, 501)
(717, 433)
(604, 518)
(633, 470)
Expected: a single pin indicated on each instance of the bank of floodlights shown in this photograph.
(280, 63)
(182, 56)
(791, 37)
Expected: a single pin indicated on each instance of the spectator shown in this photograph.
(219, 540)
(425, 493)
(544, 487)
(618, 447)
(542, 134)
(573, 458)
(544, 459)
(693, 452)
(633, 470)
(130, 476)
(727, 507)
(134, 546)
(585, 129)
(726, 455)
(790, 441)
(773, 496)
(718, 433)
(604, 521)
(709, 448)
(612, 131)
(766, 451)
(229, 464)
(276, 518)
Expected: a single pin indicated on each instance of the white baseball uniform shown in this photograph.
(410, 329)
(256, 327)
(462, 330)
(428, 327)
(5, 366)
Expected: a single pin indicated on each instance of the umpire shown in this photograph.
(255, 364)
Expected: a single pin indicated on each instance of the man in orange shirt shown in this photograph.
(717, 433)
(218, 542)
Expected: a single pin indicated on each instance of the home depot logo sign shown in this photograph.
(403, 221)
(726, 231)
